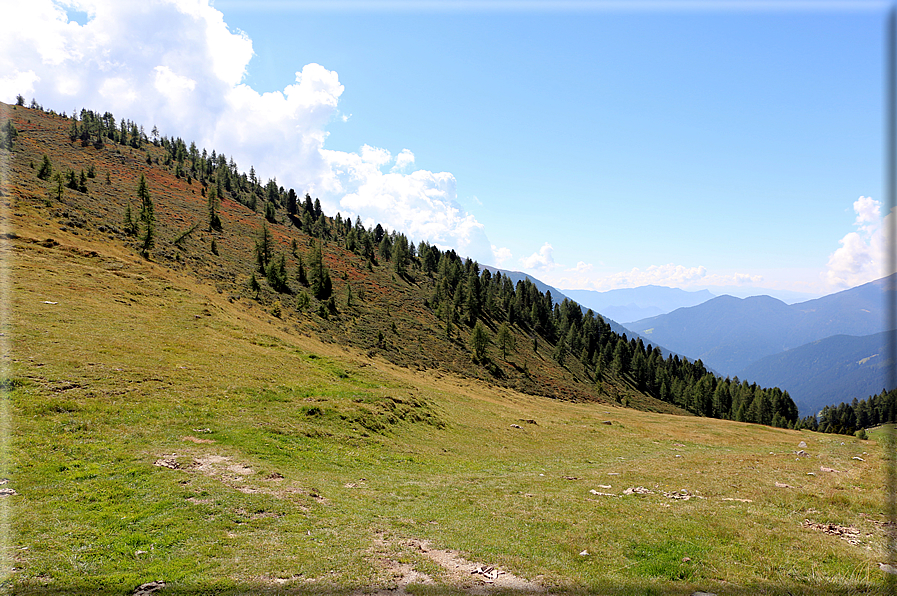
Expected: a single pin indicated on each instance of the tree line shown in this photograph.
(856, 416)
(461, 294)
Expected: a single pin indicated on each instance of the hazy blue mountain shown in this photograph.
(632, 304)
(558, 296)
(742, 291)
(729, 333)
(825, 372)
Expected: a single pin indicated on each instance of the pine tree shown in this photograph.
(130, 225)
(147, 217)
(321, 286)
(479, 342)
(276, 273)
(301, 276)
(254, 285)
(46, 168)
(505, 340)
(263, 248)
(214, 203)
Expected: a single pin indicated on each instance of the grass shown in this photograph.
(295, 457)
(160, 423)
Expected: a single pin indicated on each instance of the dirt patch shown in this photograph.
(455, 571)
(237, 476)
(197, 440)
(474, 578)
(848, 533)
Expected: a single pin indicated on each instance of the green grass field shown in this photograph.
(159, 431)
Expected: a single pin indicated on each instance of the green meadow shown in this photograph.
(158, 430)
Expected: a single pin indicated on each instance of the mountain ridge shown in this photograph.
(729, 333)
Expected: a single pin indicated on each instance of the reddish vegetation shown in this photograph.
(384, 304)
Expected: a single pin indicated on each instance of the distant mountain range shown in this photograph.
(632, 304)
(559, 296)
(826, 372)
(736, 335)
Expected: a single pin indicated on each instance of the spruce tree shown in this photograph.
(147, 217)
(263, 248)
(505, 340)
(46, 168)
(213, 203)
(479, 342)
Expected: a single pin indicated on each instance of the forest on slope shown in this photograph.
(271, 248)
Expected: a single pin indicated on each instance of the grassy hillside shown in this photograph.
(161, 424)
(388, 314)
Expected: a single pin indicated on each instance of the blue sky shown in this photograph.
(691, 145)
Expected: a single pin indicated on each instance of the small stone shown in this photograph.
(802, 445)
(584, 553)
(149, 588)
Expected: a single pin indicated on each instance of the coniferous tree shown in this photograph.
(130, 225)
(263, 248)
(60, 188)
(213, 204)
(319, 275)
(147, 217)
(276, 273)
(479, 342)
(254, 285)
(505, 340)
(46, 168)
(8, 135)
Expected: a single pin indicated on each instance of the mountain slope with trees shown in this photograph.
(827, 371)
(194, 212)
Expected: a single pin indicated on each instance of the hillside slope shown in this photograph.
(371, 307)
(414, 304)
(161, 430)
(826, 372)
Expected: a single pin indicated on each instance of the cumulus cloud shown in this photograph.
(541, 261)
(403, 160)
(861, 257)
(177, 65)
(501, 255)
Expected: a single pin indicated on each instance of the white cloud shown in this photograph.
(861, 257)
(375, 156)
(18, 83)
(403, 160)
(542, 261)
(177, 65)
(501, 255)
